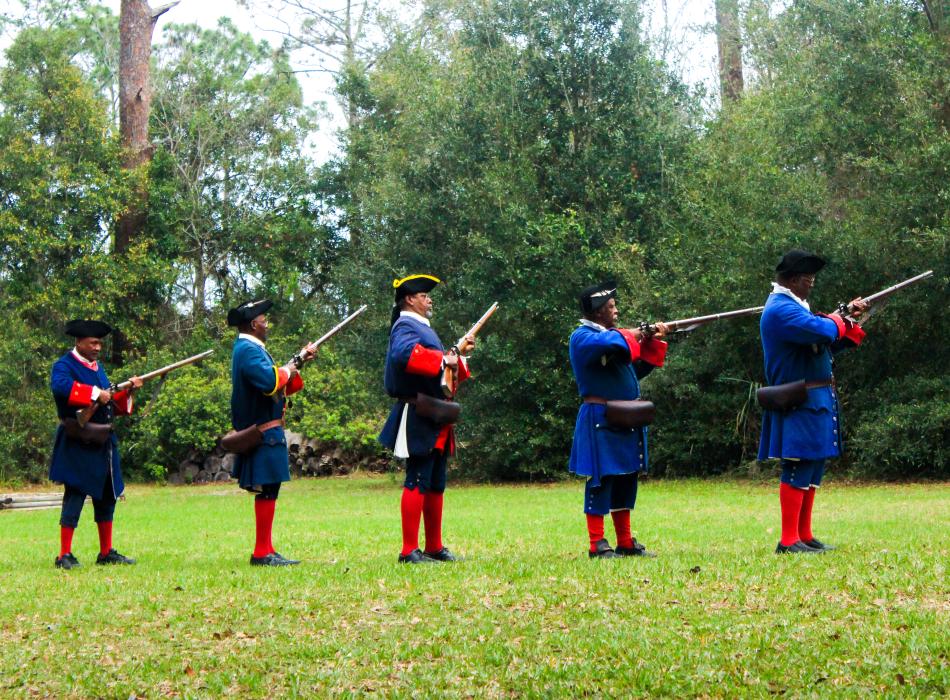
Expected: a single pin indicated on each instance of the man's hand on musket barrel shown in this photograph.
(467, 345)
(655, 330)
(858, 307)
(308, 352)
(136, 383)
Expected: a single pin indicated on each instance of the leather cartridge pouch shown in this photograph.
(436, 410)
(243, 441)
(629, 414)
(785, 397)
(90, 434)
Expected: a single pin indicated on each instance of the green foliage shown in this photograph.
(339, 405)
(190, 410)
(905, 431)
(516, 153)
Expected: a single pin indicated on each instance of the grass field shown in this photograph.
(527, 613)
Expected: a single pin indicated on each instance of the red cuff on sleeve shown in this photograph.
(122, 400)
(632, 343)
(842, 327)
(424, 361)
(80, 395)
(462, 372)
(855, 333)
(294, 385)
(283, 376)
(653, 351)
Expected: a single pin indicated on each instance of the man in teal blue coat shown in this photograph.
(258, 395)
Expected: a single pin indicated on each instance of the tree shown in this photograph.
(518, 151)
(233, 194)
(729, 40)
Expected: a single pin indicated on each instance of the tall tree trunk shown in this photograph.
(938, 16)
(136, 25)
(730, 49)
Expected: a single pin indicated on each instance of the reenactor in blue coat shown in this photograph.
(608, 363)
(798, 345)
(86, 458)
(420, 425)
(258, 395)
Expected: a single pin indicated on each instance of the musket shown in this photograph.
(876, 301)
(298, 360)
(688, 324)
(84, 414)
(449, 383)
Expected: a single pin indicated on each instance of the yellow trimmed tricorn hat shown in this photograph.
(414, 284)
(248, 311)
(88, 329)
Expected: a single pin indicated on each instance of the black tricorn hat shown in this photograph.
(88, 329)
(597, 295)
(414, 284)
(248, 311)
(799, 262)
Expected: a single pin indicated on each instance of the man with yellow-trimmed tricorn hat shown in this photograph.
(258, 395)
(419, 428)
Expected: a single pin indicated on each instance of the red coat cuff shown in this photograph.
(632, 343)
(80, 395)
(294, 385)
(653, 351)
(839, 322)
(855, 333)
(462, 372)
(122, 400)
(424, 361)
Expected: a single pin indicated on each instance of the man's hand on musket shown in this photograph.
(105, 396)
(858, 307)
(661, 330)
(308, 352)
(467, 345)
(136, 383)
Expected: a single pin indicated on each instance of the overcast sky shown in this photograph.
(688, 26)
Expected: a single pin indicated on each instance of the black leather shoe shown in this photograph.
(442, 555)
(67, 561)
(272, 559)
(287, 562)
(797, 548)
(416, 556)
(819, 545)
(637, 550)
(113, 557)
(603, 551)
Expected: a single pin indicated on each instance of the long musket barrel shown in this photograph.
(84, 414)
(478, 324)
(449, 381)
(298, 359)
(884, 293)
(688, 324)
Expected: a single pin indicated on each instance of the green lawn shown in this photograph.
(527, 613)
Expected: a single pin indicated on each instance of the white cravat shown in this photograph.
(779, 289)
(418, 317)
(254, 339)
(591, 324)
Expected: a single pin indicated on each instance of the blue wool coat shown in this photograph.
(88, 468)
(255, 399)
(421, 433)
(602, 367)
(799, 344)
